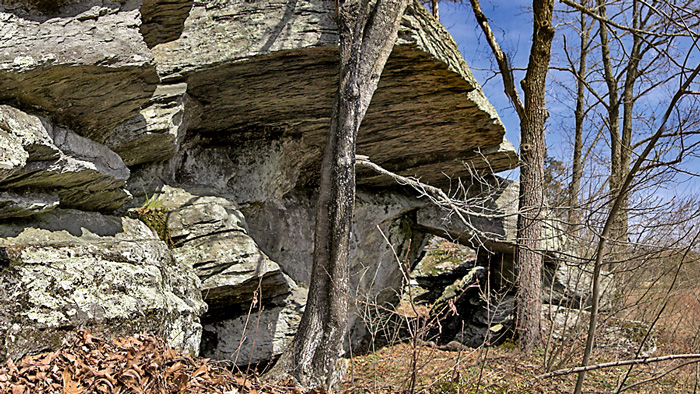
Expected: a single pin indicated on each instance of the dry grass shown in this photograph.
(497, 370)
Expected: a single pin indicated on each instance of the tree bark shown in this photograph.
(528, 262)
(533, 116)
(368, 31)
(613, 106)
(628, 101)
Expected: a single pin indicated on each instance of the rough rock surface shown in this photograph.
(494, 197)
(83, 63)
(163, 20)
(256, 334)
(17, 205)
(452, 282)
(210, 235)
(82, 173)
(283, 73)
(67, 270)
(155, 133)
(284, 229)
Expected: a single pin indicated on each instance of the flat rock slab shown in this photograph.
(83, 63)
(17, 205)
(67, 270)
(257, 76)
(40, 158)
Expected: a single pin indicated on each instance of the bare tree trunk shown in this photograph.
(528, 263)
(629, 99)
(573, 218)
(435, 8)
(613, 105)
(368, 31)
(533, 115)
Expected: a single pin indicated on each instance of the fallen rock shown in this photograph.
(232, 269)
(210, 235)
(69, 270)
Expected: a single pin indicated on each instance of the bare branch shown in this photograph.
(501, 59)
(647, 360)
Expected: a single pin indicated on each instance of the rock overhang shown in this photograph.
(82, 63)
(427, 118)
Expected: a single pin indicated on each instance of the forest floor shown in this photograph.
(144, 364)
(503, 369)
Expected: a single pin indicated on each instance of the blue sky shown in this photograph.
(512, 24)
(511, 21)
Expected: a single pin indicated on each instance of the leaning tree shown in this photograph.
(367, 31)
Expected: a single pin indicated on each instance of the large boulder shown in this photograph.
(84, 63)
(68, 270)
(270, 82)
(209, 234)
(43, 165)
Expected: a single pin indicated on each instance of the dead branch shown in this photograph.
(646, 360)
(438, 197)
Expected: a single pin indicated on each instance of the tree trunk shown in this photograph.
(533, 115)
(367, 31)
(629, 99)
(573, 219)
(528, 262)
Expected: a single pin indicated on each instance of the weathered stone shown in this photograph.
(232, 269)
(194, 216)
(210, 235)
(16, 205)
(83, 63)
(283, 75)
(76, 270)
(163, 20)
(258, 336)
(255, 171)
(493, 223)
(469, 311)
(156, 132)
(442, 256)
(284, 231)
(84, 173)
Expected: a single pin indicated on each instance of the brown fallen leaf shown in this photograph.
(69, 386)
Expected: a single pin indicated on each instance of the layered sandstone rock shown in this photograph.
(82, 63)
(45, 165)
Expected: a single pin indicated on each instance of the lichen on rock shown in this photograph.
(120, 281)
